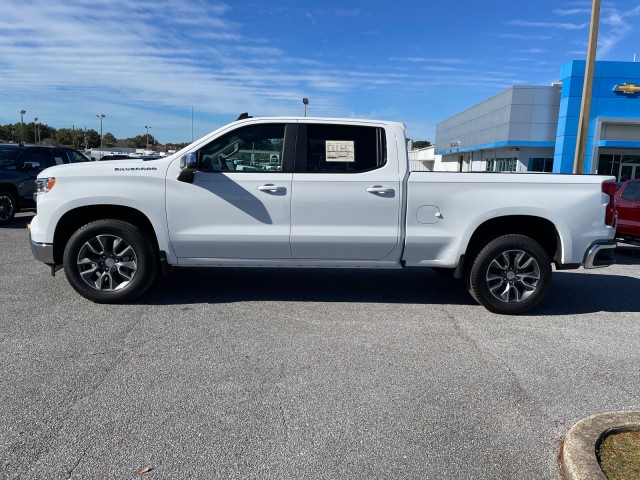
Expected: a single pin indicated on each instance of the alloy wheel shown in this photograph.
(513, 276)
(107, 262)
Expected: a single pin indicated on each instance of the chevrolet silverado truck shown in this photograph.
(316, 193)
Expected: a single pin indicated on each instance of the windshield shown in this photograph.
(8, 154)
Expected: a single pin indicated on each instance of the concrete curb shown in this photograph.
(579, 459)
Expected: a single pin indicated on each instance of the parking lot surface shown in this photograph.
(293, 374)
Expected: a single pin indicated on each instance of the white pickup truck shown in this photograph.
(316, 193)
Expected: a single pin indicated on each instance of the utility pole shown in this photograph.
(22, 112)
(585, 106)
(101, 117)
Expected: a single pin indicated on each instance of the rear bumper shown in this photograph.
(599, 254)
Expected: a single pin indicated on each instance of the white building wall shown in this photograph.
(424, 159)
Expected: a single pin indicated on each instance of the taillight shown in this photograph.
(610, 213)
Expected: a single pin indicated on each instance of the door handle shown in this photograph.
(379, 189)
(271, 188)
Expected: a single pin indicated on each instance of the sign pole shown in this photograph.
(585, 106)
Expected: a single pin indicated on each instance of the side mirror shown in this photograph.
(31, 165)
(188, 165)
(189, 161)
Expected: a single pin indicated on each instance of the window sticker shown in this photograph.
(340, 151)
(59, 160)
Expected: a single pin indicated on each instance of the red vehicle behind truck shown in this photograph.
(628, 208)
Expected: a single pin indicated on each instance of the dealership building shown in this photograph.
(535, 128)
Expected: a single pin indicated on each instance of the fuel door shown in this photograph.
(428, 214)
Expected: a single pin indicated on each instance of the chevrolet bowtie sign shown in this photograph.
(628, 88)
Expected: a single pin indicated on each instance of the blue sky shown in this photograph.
(150, 62)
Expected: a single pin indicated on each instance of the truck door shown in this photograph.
(346, 194)
(238, 205)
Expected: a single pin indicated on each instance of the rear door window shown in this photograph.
(343, 148)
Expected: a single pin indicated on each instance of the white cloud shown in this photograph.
(561, 26)
(572, 11)
(344, 12)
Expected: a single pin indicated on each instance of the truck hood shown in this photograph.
(106, 167)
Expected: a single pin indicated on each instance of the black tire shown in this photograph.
(8, 207)
(110, 261)
(510, 275)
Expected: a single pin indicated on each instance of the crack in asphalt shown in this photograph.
(70, 472)
(512, 376)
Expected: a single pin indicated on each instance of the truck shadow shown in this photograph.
(627, 254)
(571, 293)
(226, 285)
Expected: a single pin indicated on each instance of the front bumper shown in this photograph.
(42, 252)
(599, 254)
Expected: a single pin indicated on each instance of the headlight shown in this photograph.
(43, 185)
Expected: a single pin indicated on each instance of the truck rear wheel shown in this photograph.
(8, 207)
(110, 261)
(510, 275)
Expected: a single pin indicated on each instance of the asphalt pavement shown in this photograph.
(294, 374)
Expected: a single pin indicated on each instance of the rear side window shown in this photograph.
(344, 148)
(76, 156)
(631, 192)
(60, 156)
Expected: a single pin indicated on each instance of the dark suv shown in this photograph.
(19, 167)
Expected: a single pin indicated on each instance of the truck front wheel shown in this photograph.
(110, 261)
(510, 275)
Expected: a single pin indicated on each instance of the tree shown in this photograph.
(67, 136)
(8, 132)
(109, 140)
(421, 144)
(90, 139)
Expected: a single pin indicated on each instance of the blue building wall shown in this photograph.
(605, 103)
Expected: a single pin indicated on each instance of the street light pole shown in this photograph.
(22, 112)
(35, 130)
(147, 127)
(305, 101)
(585, 106)
(101, 116)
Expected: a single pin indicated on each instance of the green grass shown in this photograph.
(619, 456)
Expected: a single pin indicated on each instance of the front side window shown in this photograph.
(40, 156)
(257, 148)
(344, 148)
